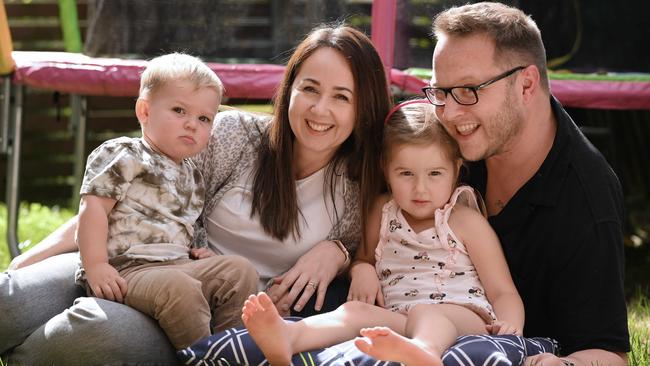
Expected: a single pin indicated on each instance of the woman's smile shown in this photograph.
(319, 127)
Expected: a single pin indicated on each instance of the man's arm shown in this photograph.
(588, 286)
(597, 357)
(59, 241)
(586, 357)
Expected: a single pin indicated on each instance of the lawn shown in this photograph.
(639, 324)
(37, 221)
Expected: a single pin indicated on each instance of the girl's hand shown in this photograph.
(365, 286)
(500, 327)
(200, 253)
(106, 282)
(311, 275)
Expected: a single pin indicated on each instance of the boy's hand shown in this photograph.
(364, 285)
(500, 327)
(200, 253)
(106, 282)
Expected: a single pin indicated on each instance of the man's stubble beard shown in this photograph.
(504, 127)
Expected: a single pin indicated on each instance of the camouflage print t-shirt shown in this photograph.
(158, 200)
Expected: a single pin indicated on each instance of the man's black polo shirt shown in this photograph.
(562, 238)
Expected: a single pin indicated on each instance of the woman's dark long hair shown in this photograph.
(274, 186)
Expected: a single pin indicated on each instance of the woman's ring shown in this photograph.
(312, 284)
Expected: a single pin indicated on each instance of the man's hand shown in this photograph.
(106, 282)
(585, 357)
(546, 359)
(500, 327)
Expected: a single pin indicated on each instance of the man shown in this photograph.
(553, 200)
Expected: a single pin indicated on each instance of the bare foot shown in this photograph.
(268, 329)
(384, 344)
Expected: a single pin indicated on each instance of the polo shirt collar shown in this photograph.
(547, 183)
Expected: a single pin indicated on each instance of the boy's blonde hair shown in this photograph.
(178, 66)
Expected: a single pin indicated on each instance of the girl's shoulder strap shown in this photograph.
(462, 196)
(465, 196)
(389, 206)
(468, 197)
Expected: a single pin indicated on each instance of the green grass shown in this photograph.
(639, 324)
(37, 221)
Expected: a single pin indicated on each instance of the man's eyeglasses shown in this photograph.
(464, 95)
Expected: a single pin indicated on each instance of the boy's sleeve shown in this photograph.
(110, 169)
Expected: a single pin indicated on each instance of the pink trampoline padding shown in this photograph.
(599, 94)
(595, 94)
(79, 74)
(409, 83)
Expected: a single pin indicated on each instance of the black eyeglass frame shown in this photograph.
(474, 89)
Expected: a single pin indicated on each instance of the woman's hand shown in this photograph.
(311, 275)
(365, 286)
(22, 260)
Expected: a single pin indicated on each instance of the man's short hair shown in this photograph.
(517, 38)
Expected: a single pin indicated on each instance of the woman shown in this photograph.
(282, 192)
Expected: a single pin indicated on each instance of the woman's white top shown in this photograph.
(226, 165)
(232, 231)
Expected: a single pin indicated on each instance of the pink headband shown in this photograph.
(400, 105)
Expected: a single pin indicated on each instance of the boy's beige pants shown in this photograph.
(185, 295)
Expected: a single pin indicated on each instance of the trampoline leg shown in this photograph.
(13, 172)
(78, 124)
(5, 105)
